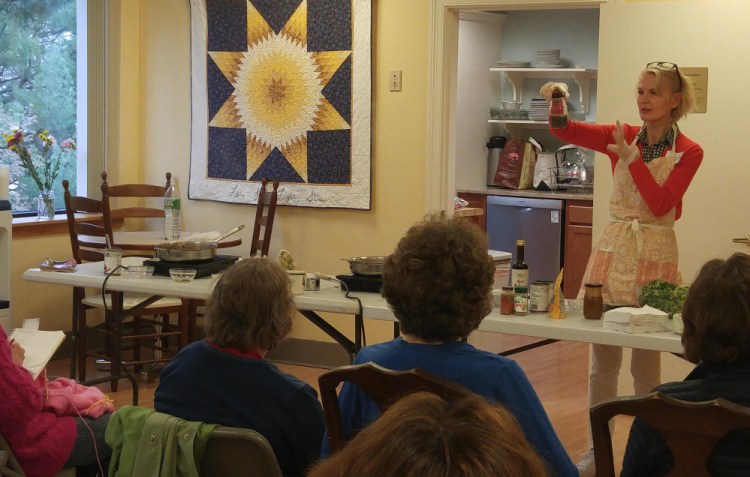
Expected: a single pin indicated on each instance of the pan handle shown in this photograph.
(231, 232)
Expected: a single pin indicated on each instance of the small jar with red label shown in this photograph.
(521, 301)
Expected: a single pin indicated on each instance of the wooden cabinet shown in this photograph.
(478, 201)
(577, 244)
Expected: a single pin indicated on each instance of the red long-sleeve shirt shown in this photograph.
(40, 440)
(659, 198)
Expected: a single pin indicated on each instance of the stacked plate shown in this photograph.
(513, 64)
(539, 110)
(548, 58)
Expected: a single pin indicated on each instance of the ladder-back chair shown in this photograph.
(264, 216)
(88, 238)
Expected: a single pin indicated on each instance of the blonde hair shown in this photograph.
(422, 435)
(672, 80)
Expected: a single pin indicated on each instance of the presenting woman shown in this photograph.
(652, 166)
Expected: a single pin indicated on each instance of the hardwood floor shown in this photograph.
(558, 372)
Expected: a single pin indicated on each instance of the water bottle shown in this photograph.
(495, 148)
(172, 228)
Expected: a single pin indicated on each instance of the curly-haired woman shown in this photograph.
(438, 282)
(716, 336)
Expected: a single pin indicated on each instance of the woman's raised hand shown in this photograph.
(548, 89)
(627, 152)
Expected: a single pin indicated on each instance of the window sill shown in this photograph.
(33, 227)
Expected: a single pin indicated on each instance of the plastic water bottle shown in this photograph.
(172, 227)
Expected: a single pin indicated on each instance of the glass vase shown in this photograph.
(46, 204)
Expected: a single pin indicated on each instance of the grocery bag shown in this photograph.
(515, 170)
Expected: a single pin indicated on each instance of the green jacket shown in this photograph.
(149, 443)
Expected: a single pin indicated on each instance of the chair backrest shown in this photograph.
(9, 466)
(88, 237)
(264, 214)
(134, 191)
(690, 429)
(232, 448)
(384, 386)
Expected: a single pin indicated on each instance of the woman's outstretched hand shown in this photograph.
(627, 152)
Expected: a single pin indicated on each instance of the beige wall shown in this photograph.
(150, 125)
(150, 134)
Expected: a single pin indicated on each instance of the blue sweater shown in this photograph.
(647, 454)
(495, 377)
(205, 384)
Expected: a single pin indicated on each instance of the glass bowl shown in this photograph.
(140, 271)
(182, 275)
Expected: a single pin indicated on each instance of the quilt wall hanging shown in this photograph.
(281, 89)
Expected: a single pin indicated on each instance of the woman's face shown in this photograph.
(655, 105)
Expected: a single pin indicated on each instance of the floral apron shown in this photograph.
(635, 247)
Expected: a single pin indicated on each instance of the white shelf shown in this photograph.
(581, 76)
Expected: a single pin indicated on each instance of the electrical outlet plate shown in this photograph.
(395, 80)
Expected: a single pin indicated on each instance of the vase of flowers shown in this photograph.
(45, 204)
(44, 166)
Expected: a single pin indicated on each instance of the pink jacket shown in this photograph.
(41, 441)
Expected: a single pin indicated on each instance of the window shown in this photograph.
(45, 71)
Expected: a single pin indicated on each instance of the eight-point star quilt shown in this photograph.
(281, 89)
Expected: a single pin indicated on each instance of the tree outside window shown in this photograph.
(37, 85)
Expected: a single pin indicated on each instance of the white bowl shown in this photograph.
(182, 275)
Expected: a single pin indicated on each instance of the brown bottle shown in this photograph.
(558, 110)
(593, 305)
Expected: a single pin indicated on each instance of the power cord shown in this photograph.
(345, 288)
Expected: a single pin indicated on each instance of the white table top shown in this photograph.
(331, 299)
(91, 275)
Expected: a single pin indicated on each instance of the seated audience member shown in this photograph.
(224, 379)
(44, 438)
(716, 337)
(422, 435)
(438, 282)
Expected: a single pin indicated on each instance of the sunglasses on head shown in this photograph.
(666, 65)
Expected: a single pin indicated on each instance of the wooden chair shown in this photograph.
(134, 210)
(690, 429)
(88, 240)
(264, 215)
(232, 448)
(384, 386)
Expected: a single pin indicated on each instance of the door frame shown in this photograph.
(440, 157)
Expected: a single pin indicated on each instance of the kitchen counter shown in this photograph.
(535, 194)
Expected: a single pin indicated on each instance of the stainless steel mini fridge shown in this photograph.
(538, 222)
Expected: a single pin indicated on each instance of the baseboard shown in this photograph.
(317, 354)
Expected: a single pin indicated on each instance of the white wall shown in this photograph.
(479, 48)
(691, 34)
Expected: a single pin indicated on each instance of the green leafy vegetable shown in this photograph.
(664, 296)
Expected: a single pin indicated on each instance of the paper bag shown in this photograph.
(545, 162)
(515, 169)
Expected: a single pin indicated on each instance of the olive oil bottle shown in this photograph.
(519, 270)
